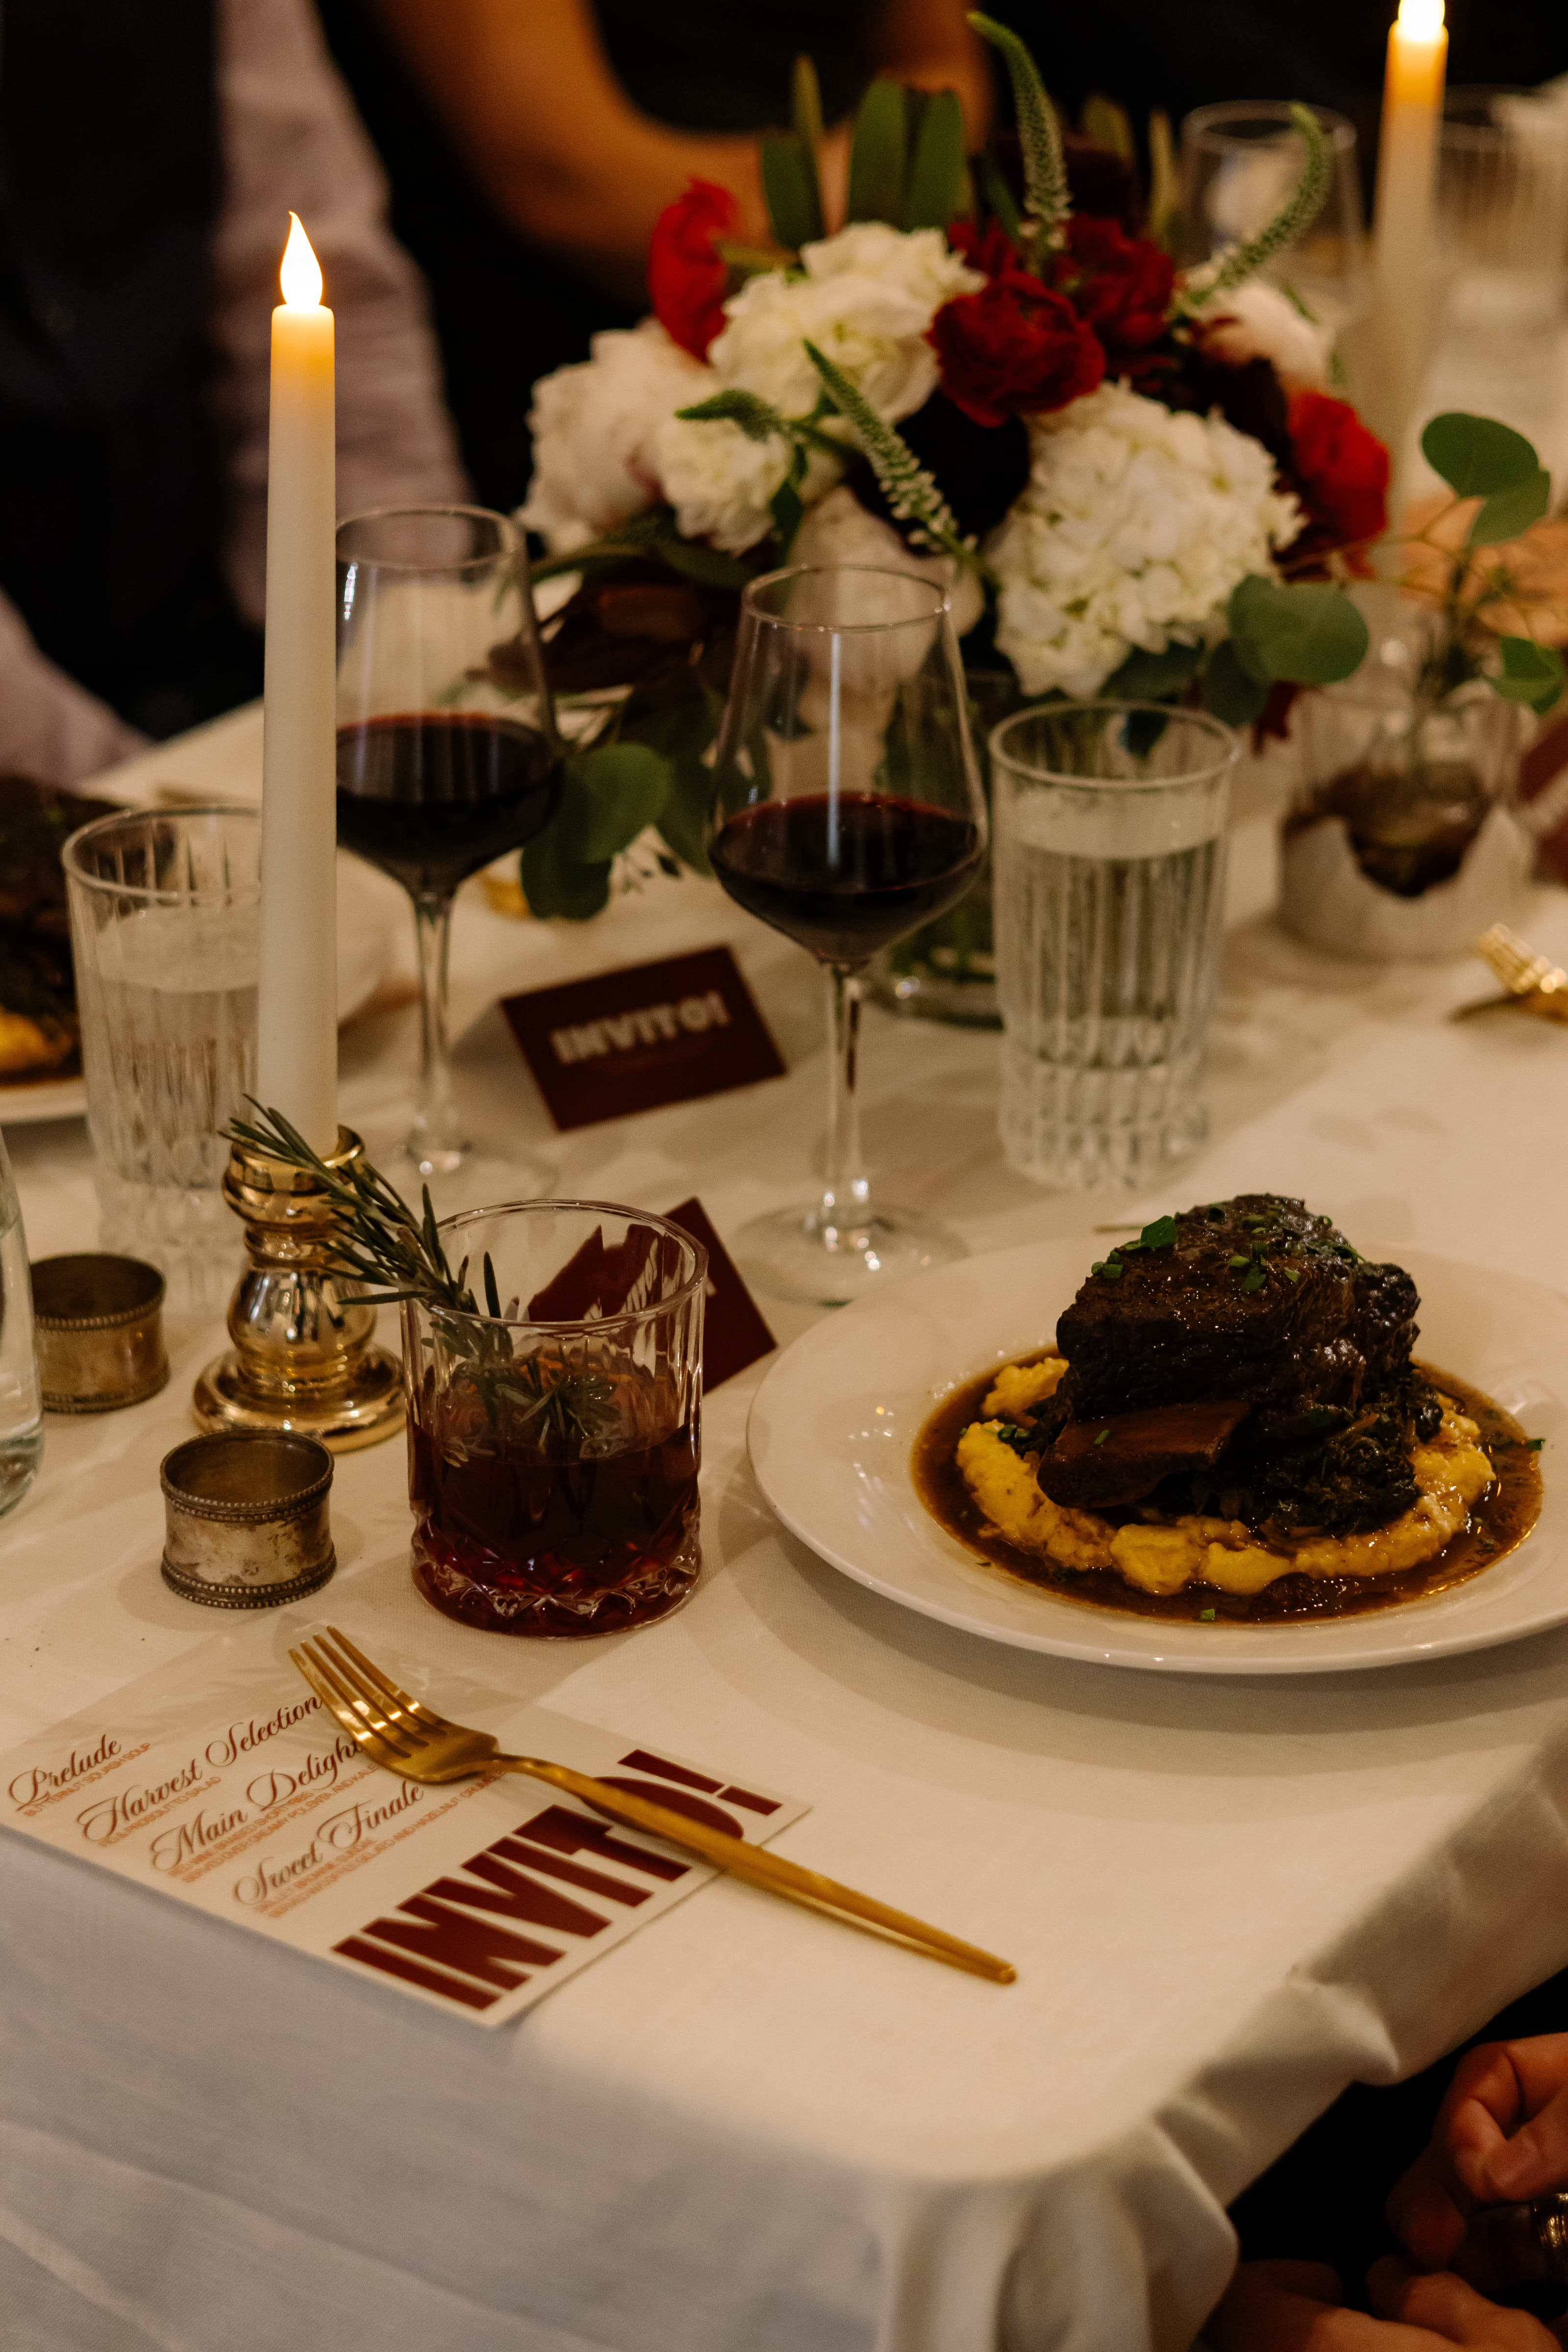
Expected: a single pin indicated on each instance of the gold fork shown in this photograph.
(1531, 983)
(395, 1731)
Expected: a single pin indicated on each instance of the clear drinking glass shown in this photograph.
(447, 753)
(1109, 863)
(1502, 223)
(21, 1405)
(849, 811)
(1239, 162)
(164, 906)
(554, 1442)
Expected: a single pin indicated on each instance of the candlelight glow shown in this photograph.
(1422, 20)
(300, 274)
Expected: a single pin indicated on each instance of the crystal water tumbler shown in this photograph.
(1109, 864)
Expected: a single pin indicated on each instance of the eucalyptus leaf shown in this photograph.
(789, 184)
(1531, 674)
(554, 885)
(705, 564)
(1508, 512)
(1229, 691)
(611, 794)
(1476, 456)
(878, 156)
(1306, 632)
(1151, 677)
(935, 186)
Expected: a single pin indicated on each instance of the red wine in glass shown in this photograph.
(847, 873)
(431, 796)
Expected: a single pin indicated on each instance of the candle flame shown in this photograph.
(300, 274)
(1422, 19)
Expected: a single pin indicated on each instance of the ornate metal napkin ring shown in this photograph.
(100, 1331)
(248, 1520)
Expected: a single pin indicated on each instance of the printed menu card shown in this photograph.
(223, 1781)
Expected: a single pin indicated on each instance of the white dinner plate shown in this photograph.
(370, 910)
(832, 1426)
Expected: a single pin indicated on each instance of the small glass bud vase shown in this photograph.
(1403, 839)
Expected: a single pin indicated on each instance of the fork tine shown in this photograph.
(403, 1701)
(358, 1730)
(395, 1736)
(369, 1696)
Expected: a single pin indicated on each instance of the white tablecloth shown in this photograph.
(750, 2131)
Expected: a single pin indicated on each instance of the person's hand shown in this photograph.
(1300, 2307)
(1501, 2138)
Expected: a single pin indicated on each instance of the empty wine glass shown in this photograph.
(1240, 163)
(447, 753)
(848, 811)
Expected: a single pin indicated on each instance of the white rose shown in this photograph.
(720, 482)
(594, 427)
(1136, 524)
(1254, 322)
(840, 531)
(867, 297)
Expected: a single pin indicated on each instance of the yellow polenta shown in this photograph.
(1452, 1472)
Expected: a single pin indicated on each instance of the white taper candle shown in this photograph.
(297, 1024)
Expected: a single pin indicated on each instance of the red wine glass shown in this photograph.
(447, 753)
(849, 811)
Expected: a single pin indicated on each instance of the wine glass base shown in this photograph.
(434, 1159)
(804, 1255)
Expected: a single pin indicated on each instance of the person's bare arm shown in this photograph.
(528, 97)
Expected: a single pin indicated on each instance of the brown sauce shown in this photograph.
(1497, 1524)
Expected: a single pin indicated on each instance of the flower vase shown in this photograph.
(1404, 840)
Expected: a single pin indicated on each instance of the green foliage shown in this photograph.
(1230, 692)
(1298, 211)
(1476, 456)
(933, 191)
(679, 725)
(611, 794)
(998, 197)
(1509, 512)
(879, 155)
(708, 565)
(910, 490)
(757, 418)
(1531, 674)
(1305, 632)
(790, 187)
(806, 109)
(1154, 678)
(1046, 198)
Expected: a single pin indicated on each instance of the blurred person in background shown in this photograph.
(149, 153)
(531, 144)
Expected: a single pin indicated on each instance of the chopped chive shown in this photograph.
(1290, 1273)
(1101, 1438)
(1205, 1616)
(1533, 1444)
(1255, 1279)
(1160, 1234)
(1238, 1261)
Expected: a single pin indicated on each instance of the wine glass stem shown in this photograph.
(846, 1202)
(437, 1139)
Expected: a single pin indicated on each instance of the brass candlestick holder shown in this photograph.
(302, 1357)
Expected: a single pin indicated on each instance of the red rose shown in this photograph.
(990, 248)
(1013, 349)
(1122, 285)
(686, 279)
(1342, 468)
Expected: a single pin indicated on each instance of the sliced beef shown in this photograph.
(1124, 1456)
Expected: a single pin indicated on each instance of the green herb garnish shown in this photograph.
(1237, 1262)
(1256, 1278)
(1101, 1438)
(1109, 1268)
(1205, 1616)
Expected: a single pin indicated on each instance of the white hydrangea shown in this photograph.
(594, 428)
(1136, 524)
(1255, 321)
(719, 481)
(867, 297)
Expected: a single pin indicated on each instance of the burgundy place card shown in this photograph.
(648, 1034)
(733, 1333)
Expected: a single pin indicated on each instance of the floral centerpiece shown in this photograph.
(1134, 480)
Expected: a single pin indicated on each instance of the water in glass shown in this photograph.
(1110, 892)
(21, 1407)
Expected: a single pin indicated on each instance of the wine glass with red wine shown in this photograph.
(849, 811)
(447, 753)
